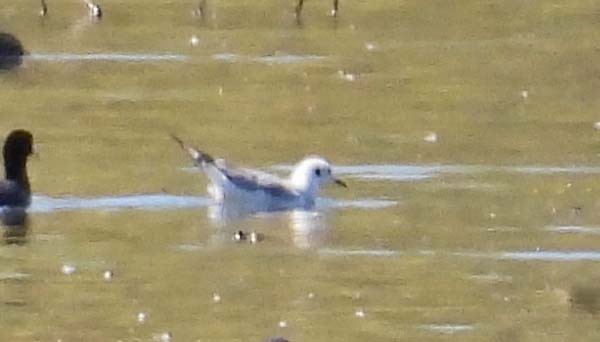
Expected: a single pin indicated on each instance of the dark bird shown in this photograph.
(14, 189)
(11, 51)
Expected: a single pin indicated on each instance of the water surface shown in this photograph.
(464, 130)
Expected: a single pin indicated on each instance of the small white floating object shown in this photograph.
(360, 313)
(492, 215)
(524, 94)
(253, 237)
(220, 91)
(194, 41)
(141, 317)
(350, 77)
(370, 46)
(166, 336)
(283, 324)
(346, 76)
(431, 137)
(67, 269)
(597, 125)
(108, 275)
(216, 298)
(447, 328)
(310, 295)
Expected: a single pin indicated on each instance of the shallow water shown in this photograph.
(465, 131)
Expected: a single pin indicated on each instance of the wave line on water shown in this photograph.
(358, 252)
(574, 230)
(269, 60)
(447, 328)
(43, 204)
(536, 255)
(109, 57)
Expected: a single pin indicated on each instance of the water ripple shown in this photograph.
(358, 252)
(558, 256)
(574, 230)
(447, 328)
(270, 59)
(110, 57)
(44, 204)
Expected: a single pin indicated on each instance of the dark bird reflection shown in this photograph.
(16, 225)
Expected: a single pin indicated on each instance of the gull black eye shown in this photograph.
(318, 172)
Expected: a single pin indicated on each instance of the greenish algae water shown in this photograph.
(488, 232)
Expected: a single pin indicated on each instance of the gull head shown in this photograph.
(311, 173)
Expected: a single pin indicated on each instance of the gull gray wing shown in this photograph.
(251, 180)
(245, 179)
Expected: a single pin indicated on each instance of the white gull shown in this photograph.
(260, 191)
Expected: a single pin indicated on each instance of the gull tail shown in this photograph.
(200, 158)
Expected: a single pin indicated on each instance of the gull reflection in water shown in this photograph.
(16, 225)
(308, 227)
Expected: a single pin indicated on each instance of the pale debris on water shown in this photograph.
(360, 313)
(597, 125)
(166, 336)
(347, 76)
(194, 41)
(108, 275)
(283, 324)
(370, 46)
(431, 137)
(68, 269)
(253, 237)
(216, 297)
(141, 317)
(524, 94)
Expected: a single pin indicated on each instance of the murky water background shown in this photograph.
(465, 130)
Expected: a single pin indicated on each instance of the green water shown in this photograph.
(481, 250)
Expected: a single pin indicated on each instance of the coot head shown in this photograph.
(17, 147)
(11, 51)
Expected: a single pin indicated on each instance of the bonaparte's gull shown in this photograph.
(262, 191)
